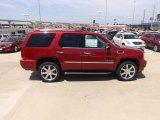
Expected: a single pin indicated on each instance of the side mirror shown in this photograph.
(108, 46)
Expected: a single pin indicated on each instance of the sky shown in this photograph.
(80, 11)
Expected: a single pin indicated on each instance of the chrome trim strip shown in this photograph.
(74, 62)
(83, 48)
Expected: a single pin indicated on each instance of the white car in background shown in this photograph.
(2, 36)
(129, 40)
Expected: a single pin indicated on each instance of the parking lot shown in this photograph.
(78, 97)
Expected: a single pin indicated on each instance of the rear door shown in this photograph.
(149, 41)
(152, 40)
(69, 51)
(145, 38)
(95, 56)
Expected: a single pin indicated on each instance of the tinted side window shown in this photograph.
(40, 40)
(121, 36)
(71, 40)
(148, 36)
(118, 36)
(15, 39)
(158, 36)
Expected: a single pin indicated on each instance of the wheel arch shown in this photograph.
(47, 59)
(128, 59)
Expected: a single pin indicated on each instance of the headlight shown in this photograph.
(144, 43)
(8, 45)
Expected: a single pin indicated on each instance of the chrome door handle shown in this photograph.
(59, 52)
(87, 53)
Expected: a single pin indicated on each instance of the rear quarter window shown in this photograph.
(40, 40)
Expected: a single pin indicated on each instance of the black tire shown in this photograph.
(156, 48)
(126, 74)
(15, 49)
(49, 72)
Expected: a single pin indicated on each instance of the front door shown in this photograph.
(95, 56)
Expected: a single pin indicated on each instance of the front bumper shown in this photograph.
(6, 49)
(137, 47)
(142, 65)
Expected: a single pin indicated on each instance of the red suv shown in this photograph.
(54, 52)
(152, 40)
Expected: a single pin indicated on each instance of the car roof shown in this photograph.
(63, 31)
(150, 32)
(126, 33)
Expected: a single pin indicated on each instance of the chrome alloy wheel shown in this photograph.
(155, 48)
(49, 72)
(128, 71)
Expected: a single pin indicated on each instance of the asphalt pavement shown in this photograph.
(23, 96)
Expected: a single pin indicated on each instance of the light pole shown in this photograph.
(134, 2)
(26, 16)
(153, 17)
(106, 12)
(39, 11)
(129, 22)
(99, 15)
(1, 28)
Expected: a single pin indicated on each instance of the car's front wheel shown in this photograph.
(126, 71)
(49, 72)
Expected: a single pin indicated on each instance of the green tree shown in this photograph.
(158, 17)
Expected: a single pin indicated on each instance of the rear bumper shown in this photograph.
(28, 64)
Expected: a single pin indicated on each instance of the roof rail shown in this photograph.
(47, 30)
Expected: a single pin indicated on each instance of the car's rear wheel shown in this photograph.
(15, 48)
(49, 72)
(126, 71)
(155, 48)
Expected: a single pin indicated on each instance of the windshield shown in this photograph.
(7, 40)
(131, 37)
(158, 36)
